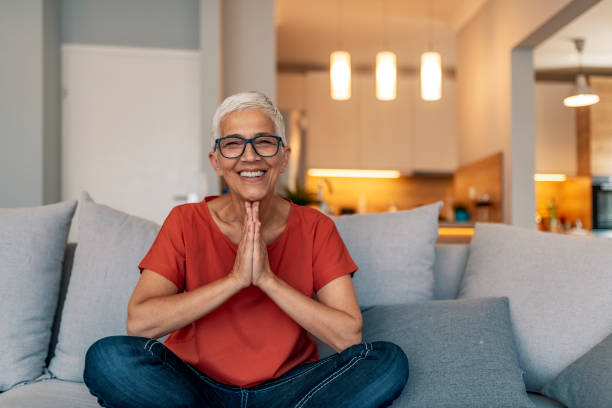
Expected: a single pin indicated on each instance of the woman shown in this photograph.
(232, 279)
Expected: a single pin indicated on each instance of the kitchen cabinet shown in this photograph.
(406, 134)
(555, 144)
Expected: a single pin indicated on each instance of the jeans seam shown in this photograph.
(284, 380)
(244, 397)
(332, 377)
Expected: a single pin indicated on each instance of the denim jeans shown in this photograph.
(135, 372)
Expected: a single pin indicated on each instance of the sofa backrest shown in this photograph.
(449, 266)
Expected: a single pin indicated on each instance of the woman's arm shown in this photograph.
(156, 308)
(335, 319)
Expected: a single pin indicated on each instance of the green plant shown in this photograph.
(300, 196)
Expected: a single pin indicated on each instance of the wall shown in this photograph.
(249, 47)
(601, 127)
(484, 80)
(555, 146)
(29, 118)
(135, 23)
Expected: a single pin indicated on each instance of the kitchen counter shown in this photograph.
(455, 232)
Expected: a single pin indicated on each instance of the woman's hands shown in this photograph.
(252, 265)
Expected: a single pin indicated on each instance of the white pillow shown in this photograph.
(32, 245)
(395, 253)
(104, 275)
(560, 291)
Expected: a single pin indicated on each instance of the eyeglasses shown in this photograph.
(232, 147)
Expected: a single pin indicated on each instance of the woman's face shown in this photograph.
(244, 174)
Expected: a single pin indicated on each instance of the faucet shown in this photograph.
(324, 205)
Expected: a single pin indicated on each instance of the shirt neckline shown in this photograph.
(235, 246)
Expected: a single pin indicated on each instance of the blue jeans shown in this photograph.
(126, 371)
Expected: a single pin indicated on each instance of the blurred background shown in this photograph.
(116, 98)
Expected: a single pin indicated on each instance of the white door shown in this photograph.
(131, 128)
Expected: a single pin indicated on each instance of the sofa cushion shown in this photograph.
(394, 252)
(460, 352)
(104, 274)
(32, 243)
(587, 382)
(559, 288)
(49, 394)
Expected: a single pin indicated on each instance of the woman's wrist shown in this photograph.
(267, 281)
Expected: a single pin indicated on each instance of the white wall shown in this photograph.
(555, 129)
(29, 98)
(484, 80)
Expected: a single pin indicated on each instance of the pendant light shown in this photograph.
(583, 95)
(431, 68)
(386, 67)
(340, 69)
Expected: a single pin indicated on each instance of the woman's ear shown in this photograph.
(286, 156)
(215, 163)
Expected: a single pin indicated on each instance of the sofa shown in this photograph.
(461, 312)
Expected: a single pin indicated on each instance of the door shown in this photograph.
(131, 128)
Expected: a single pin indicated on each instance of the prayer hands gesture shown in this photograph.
(252, 266)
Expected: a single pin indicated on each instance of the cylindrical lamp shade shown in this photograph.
(583, 94)
(340, 75)
(386, 76)
(431, 76)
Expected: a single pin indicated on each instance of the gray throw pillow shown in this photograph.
(559, 288)
(110, 245)
(394, 252)
(460, 352)
(587, 382)
(32, 244)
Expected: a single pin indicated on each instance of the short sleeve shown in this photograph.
(167, 253)
(331, 259)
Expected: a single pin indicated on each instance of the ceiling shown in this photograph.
(308, 31)
(595, 26)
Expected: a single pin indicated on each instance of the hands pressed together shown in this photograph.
(252, 266)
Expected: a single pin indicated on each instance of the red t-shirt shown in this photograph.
(247, 340)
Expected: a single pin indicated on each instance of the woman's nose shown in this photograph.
(249, 153)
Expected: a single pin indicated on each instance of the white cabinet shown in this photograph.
(406, 134)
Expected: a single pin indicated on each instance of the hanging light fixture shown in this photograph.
(386, 76)
(386, 67)
(583, 95)
(431, 68)
(340, 68)
(340, 75)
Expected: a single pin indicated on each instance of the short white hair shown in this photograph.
(243, 101)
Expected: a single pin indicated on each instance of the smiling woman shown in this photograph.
(232, 279)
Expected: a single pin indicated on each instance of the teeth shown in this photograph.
(251, 173)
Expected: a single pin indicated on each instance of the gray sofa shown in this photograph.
(549, 304)
(53, 393)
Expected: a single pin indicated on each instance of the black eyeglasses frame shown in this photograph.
(279, 142)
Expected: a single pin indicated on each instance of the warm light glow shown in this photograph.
(353, 173)
(340, 75)
(386, 76)
(583, 95)
(549, 177)
(580, 100)
(431, 76)
(456, 232)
